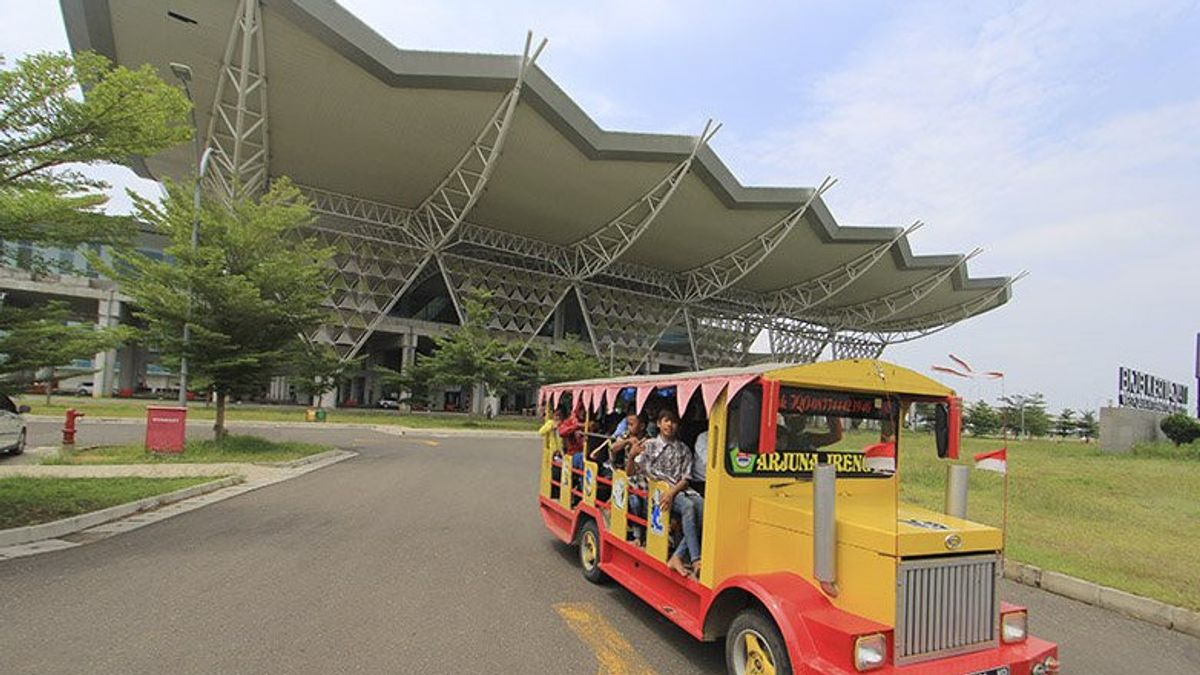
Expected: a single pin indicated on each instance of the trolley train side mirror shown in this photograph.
(948, 428)
(748, 404)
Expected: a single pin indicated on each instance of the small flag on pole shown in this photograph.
(881, 457)
(996, 460)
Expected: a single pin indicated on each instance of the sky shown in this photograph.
(1061, 137)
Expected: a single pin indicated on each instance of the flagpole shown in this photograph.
(1004, 515)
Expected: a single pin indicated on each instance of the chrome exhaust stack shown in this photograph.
(825, 528)
(957, 478)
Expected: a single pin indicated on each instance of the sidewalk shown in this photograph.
(78, 530)
(393, 429)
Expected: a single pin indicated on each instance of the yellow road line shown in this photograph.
(613, 652)
(428, 442)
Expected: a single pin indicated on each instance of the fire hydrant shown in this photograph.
(69, 427)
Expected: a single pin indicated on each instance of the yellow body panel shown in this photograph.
(658, 529)
(920, 533)
(564, 486)
(550, 445)
(864, 375)
(618, 516)
(591, 471)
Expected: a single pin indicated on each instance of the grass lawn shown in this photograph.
(1127, 521)
(29, 501)
(118, 407)
(232, 449)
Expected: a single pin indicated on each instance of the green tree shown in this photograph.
(1180, 427)
(35, 341)
(1089, 428)
(469, 354)
(47, 129)
(1025, 414)
(317, 369)
(567, 361)
(1065, 424)
(981, 419)
(250, 296)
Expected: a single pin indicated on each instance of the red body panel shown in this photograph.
(819, 636)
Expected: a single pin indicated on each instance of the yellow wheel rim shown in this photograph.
(587, 551)
(758, 655)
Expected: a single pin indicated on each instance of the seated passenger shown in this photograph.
(633, 433)
(668, 459)
(793, 431)
(572, 433)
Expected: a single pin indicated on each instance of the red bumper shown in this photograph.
(1019, 658)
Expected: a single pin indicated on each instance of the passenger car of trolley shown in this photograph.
(811, 562)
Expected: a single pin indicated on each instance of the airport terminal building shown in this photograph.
(437, 173)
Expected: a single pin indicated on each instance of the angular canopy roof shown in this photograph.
(354, 117)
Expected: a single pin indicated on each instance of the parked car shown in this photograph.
(389, 403)
(85, 389)
(12, 426)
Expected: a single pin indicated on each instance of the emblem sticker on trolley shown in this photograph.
(656, 521)
(618, 493)
(1002, 670)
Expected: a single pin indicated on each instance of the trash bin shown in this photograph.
(310, 415)
(166, 429)
(320, 414)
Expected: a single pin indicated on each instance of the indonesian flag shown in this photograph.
(881, 457)
(996, 460)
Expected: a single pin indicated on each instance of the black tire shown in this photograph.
(589, 553)
(753, 637)
(19, 448)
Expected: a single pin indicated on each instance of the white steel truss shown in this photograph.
(793, 342)
(863, 315)
(435, 222)
(919, 326)
(375, 220)
(799, 298)
(852, 347)
(237, 127)
(715, 276)
(718, 340)
(437, 218)
(598, 250)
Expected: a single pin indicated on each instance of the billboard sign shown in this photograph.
(1136, 389)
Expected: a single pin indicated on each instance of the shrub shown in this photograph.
(1180, 428)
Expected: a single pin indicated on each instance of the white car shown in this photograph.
(12, 426)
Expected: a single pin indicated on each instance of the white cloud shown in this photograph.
(1007, 135)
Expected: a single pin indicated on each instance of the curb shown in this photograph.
(393, 429)
(310, 459)
(1137, 607)
(58, 528)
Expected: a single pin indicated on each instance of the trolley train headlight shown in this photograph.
(870, 651)
(1013, 627)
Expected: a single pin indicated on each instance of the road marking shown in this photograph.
(613, 652)
(428, 442)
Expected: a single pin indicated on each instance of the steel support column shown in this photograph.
(597, 251)
(864, 315)
(237, 127)
(435, 222)
(717, 275)
(798, 298)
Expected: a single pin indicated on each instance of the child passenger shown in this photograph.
(667, 458)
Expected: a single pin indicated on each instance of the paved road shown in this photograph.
(423, 555)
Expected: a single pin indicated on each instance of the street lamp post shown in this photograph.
(184, 73)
